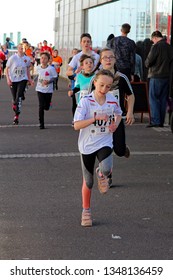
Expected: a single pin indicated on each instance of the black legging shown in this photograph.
(17, 90)
(104, 156)
(119, 140)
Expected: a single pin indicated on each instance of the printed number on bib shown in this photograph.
(19, 71)
(101, 126)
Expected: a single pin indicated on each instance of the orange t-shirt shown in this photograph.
(57, 61)
(28, 52)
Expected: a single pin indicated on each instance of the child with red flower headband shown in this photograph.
(46, 77)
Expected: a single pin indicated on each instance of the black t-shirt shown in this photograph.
(120, 88)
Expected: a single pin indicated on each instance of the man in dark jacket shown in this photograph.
(124, 50)
(158, 62)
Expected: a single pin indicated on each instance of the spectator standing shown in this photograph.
(124, 50)
(110, 37)
(9, 43)
(147, 43)
(138, 75)
(158, 63)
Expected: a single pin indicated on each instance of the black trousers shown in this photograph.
(119, 140)
(56, 82)
(44, 104)
(17, 90)
(74, 105)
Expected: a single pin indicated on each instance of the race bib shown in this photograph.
(40, 82)
(101, 127)
(19, 71)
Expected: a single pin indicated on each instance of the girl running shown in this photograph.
(18, 74)
(97, 117)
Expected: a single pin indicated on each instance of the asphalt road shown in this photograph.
(40, 190)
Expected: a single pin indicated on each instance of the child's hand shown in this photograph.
(70, 93)
(79, 69)
(130, 118)
(112, 126)
(45, 82)
(9, 82)
(31, 83)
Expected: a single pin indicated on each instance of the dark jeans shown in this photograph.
(44, 104)
(158, 96)
(17, 90)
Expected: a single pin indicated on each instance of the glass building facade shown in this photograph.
(101, 18)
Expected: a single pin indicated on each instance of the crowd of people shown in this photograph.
(29, 65)
(102, 96)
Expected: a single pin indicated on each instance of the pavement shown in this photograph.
(40, 189)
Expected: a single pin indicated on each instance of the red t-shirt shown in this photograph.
(2, 56)
(47, 49)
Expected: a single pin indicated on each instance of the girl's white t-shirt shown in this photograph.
(96, 135)
(18, 66)
(45, 74)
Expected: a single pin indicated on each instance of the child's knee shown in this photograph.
(89, 183)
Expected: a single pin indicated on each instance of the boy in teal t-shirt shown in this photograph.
(84, 77)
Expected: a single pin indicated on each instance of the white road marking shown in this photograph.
(166, 128)
(32, 125)
(76, 154)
